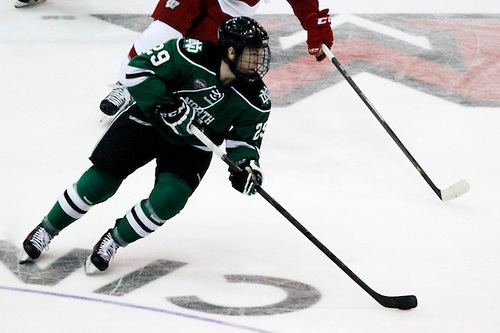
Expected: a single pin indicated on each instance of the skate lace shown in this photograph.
(108, 248)
(117, 95)
(41, 239)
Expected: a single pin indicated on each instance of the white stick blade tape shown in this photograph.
(455, 190)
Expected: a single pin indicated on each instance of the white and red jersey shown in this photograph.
(200, 19)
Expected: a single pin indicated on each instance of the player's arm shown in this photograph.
(149, 75)
(151, 78)
(180, 15)
(243, 147)
(316, 22)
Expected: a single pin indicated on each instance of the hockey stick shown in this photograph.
(399, 302)
(448, 193)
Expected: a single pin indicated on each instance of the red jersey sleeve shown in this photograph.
(302, 8)
(179, 14)
(192, 18)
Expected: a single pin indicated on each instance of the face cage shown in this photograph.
(252, 67)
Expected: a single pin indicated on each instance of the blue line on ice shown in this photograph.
(141, 307)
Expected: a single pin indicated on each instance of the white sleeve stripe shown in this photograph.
(231, 144)
(135, 76)
(204, 148)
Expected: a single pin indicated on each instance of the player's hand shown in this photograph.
(178, 116)
(319, 31)
(245, 180)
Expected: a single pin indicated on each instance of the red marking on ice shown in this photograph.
(478, 42)
(294, 74)
(273, 24)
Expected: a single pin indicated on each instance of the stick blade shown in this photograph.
(455, 190)
(398, 302)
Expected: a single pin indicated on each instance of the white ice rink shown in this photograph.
(325, 158)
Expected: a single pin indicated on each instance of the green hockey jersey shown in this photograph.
(189, 68)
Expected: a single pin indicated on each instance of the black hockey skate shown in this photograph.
(117, 100)
(34, 244)
(27, 3)
(104, 251)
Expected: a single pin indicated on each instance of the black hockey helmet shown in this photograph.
(240, 33)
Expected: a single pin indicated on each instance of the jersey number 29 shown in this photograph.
(259, 131)
(160, 57)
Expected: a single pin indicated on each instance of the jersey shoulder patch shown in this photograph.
(203, 53)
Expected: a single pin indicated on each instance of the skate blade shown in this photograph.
(90, 269)
(23, 256)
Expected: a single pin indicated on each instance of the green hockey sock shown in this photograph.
(168, 197)
(93, 187)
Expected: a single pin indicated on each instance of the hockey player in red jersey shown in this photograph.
(200, 19)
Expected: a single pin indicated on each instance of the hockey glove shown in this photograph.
(319, 31)
(245, 180)
(178, 116)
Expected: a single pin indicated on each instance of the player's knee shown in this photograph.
(97, 186)
(169, 196)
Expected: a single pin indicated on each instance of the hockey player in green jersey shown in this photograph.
(184, 82)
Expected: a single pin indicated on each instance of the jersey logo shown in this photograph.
(193, 45)
(324, 20)
(265, 96)
(203, 101)
(172, 4)
(199, 84)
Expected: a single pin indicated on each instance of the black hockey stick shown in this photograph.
(398, 302)
(448, 193)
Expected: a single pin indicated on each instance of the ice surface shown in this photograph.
(325, 158)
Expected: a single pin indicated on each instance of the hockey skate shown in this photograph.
(34, 244)
(117, 100)
(102, 254)
(26, 3)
